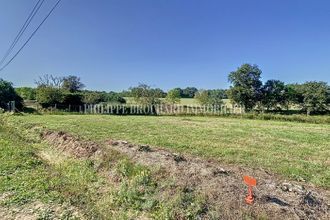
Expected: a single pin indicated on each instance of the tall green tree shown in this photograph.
(315, 96)
(216, 96)
(27, 93)
(210, 97)
(72, 83)
(145, 95)
(202, 97)
(294, 94)
(189, 92)
(274, 94)
(246, 86)
(48, 96)
(8, 94)
(173, 96)
(93, 97)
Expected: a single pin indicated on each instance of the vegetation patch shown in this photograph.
(118, 179)
(299, 151)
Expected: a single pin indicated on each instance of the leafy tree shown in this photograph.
(92, 97)
(145, 95)
(8, 94)
(189, 92)
(315, 95)
(72, 84)
(27, 93)
(180, 91)
(173, 96)
(48, 96)
(274, 93)
(202, 97)
(210, 97)
(71, 99)
(294, 94)
(246, 85)
(126, 93)
(114, 97)
(159, 93)
(216, 96)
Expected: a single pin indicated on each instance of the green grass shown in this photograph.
(291, 149)
(22, 174)
(26, 179)
(31, 171)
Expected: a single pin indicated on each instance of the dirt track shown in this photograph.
(221, 184)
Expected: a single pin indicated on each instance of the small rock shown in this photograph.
(286, 187)
(289, 187)
(144, 148)
(220, 171)
(178, 158)
(114, 143)
(298, 189)
(300, 179)
(311, 200)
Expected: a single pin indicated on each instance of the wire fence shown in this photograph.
(11, 107)
(161, 109)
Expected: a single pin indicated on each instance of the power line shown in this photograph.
(33, 33)
(22, 30)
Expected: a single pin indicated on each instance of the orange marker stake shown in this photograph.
(250, 181)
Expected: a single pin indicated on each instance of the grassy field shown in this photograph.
(39, 182)
(295, 150)
(30, 188)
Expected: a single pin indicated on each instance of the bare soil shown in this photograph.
(71, 145)
(222, 184)
(38, 210)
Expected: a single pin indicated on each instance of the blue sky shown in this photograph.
(115, 44)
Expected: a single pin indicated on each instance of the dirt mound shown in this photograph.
(70, 144)
(224, 188)
(222, 184)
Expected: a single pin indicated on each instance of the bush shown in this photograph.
(8, 94)
(173, 96)
(26, 93)
(48, 96)
(94, 97)
(113, 97)
(145, 95)
(72, 99)
(315, 97)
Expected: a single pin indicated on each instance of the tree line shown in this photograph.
(52, 90)
(69, 90)
(246, 89)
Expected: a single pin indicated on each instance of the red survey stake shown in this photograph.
(250, 181)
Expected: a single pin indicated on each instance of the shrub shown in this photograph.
(48, 96)
(173, 96)
(145, 95)
(315, 97)
(72, 99)
(27, 93)
(8, 94)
